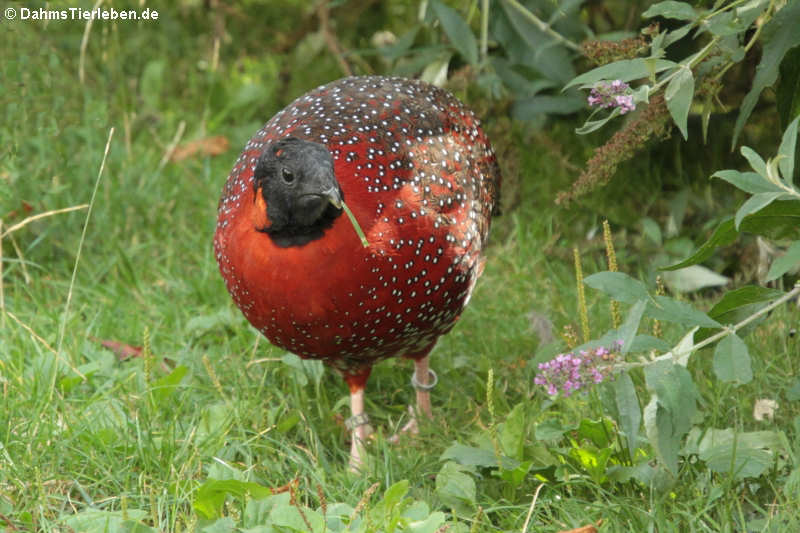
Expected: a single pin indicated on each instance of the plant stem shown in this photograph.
(724, 333)
(484, 30)
(542, 25)
(733, 329)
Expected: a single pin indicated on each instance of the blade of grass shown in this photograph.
(356, 226)
(65, 315)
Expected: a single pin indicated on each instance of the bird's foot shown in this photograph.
(360, 433)
(411, 427)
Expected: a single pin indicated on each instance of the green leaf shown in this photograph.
(469, 455)
(741, 455)
(109, 521)
(456, 489)
(756, 161)
(630, 414)
(732, 360)
(779, 220)
(458, 31)
(151, 83)
(599, 432)
(788, 91)
(210, 496)
(679, 94)
(693, 278)
(668, 415)
(513, 431)
(755, 203)
(628, 329)
(790, 259)
(165, 386)
(551, 430)
(671, 10)
(395, 494)
(671, 310)
(778, 36)
(625, 70)
(723, 235)
(751, 182)
(652, 231)
(741, 297)
(562, 104)
(593, 125)
(786, 152)
(618, 285)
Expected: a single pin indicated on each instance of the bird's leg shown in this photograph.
(358, 423)
(423, 381)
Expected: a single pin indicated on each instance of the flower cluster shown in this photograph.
(612, 94)
(571, 372)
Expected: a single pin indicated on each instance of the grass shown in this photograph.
(82, 430)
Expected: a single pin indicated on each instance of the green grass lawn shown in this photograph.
(89, 441)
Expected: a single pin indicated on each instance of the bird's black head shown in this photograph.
(302, 198)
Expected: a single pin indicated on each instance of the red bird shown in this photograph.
(420, 177)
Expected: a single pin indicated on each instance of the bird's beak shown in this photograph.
(334, 196)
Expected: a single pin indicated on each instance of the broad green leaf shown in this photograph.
(457, 30)
(258, 510)
(645, 343)
(618, 285)
(628, 329)
(778, 36)
(727, 309)
(456, 489)
(790, 259)
(779, 220)
(395, 494)
(513, 431)
(742, 455)
(593, 125)
(599, 432)
(671, 10)
(786, 152)
(287, 516)
(469, 455)
(751, 182)
(683, 350)
(431, 524)
(108, 521)
(788, 91)
(755, 203)
(661, 434)
(551, 430)
(668, 415)
(625, 70)
(679, 94)
(562, 104)
(732, 360)
(594, 461)
(671, 310)
(652, 230)
(515, 476)
(693, 278)
(165, 386)
(756, 161)
(723, 235)
(630, 414)
(210, 496)
(151, 83)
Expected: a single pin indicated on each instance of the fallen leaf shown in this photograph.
(764, 408)
(585, 529)
(209, 146)
(125, 351)
(122, 350)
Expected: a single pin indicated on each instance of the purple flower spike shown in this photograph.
(616, 94)
(570, 372)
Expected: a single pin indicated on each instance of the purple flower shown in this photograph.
(570, 372)
(610, 95)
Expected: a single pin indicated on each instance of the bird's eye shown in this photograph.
(287, 175)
